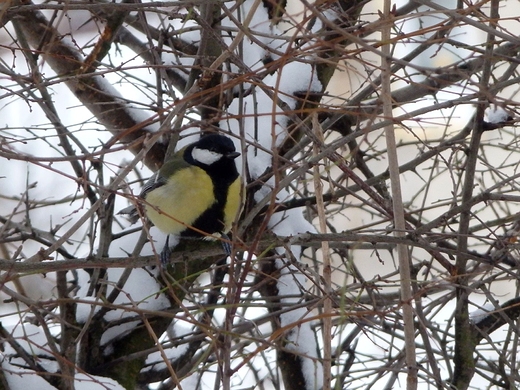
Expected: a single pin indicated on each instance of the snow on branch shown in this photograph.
(261, 117)
(97, 94)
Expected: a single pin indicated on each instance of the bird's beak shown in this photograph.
(232, 155)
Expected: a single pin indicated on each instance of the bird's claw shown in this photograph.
(165, 256)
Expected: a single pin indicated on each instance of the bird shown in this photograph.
(196, 193)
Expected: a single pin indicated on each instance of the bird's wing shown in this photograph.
(161, 177)
(156, 180)
(131, 212)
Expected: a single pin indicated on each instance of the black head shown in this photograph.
(211, 150)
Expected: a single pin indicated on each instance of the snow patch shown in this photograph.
(19, 378)
(496, 114)
(140, 292)
(297, 77)
(31, 338)
(155, 361)
(301, 338)
(93, 382)
(260, 119)
(481, 313)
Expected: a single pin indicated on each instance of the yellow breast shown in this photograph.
(233, 204)
(177, 204)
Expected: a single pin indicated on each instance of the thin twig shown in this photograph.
(398, 209)
(327, 270)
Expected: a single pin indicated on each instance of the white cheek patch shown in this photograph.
(205, 156)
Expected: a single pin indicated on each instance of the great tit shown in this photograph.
(196, 193)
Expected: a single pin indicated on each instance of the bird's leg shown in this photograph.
(166, 252)
(226, 244)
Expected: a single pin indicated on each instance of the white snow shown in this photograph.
(93, 382)
(140, 292)
(261, 128)
(31, 338)
(182, 63)
(139, 115)
(34, 342)
(155, 361)
(481, 313)
(263, 122)
(188, 29)
(301, 338)
(496, 114)
(298, 77)
(125, 245)
(260, 26)
(18, 378)
(84, 311)
(331, 14)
